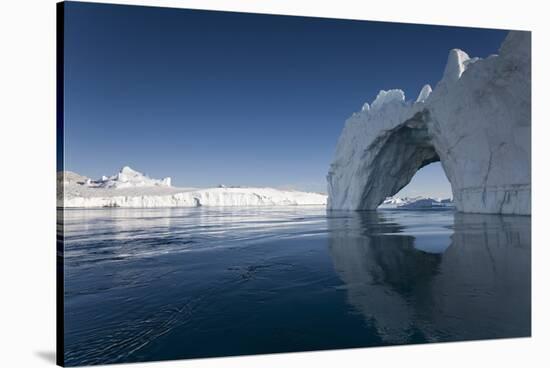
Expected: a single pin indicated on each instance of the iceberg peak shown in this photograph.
(387, 97)
(128, 170)
(456, 64)
(424, 93)
(129, 178)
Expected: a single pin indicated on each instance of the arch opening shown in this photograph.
(402, 153)
(428, 182)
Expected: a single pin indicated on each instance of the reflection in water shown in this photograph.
(410, 282)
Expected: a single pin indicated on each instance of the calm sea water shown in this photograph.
(155, 284)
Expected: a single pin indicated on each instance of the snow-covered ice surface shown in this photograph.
(477, 122)
(130, 188)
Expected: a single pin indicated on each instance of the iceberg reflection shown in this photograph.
(465, 279)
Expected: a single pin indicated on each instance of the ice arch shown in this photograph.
(477, 122)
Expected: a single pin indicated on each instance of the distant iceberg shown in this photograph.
(130, 188)
(417, 203)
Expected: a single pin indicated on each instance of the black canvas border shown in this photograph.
(60, 289)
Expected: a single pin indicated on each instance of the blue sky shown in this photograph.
(240, 99)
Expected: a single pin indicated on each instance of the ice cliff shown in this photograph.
(130, 188)
(477, 122)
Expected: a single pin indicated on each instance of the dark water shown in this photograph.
(161, 284)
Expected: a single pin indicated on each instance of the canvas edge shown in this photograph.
(60, 290)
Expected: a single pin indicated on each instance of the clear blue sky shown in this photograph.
(233, 98)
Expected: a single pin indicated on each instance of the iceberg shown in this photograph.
(130, 188)
(476, 122)
(417, 203)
